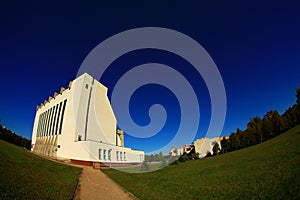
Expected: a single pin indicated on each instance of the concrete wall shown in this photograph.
(88, 125)
(205, 145)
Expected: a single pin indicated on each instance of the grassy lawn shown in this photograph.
(26, 176)
(270, 170)
(139, 169)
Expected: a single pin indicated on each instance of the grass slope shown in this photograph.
(270, 170)
(26, 176)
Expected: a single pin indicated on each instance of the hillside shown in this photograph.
(270, 170)
(26, 176)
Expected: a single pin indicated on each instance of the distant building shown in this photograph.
(202, 146)
(78, 123)
(178, 151)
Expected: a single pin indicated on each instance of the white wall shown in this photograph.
(101, 129)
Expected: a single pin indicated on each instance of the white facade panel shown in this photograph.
(79, 124)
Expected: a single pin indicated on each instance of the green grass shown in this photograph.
(26, 176)
(139, 169)
(270, 170)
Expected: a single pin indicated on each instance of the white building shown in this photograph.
(205, 145)
(178, 151)
(202, 146)
(79, 124)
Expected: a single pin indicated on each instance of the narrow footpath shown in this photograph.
(94, 184)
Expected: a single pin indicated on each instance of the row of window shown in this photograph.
(50, 121)
(106, 155)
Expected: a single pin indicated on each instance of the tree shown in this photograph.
(145, 166)
(298, 95)
(255, 130)
(235, 142)
(225, 145)
(160, 156)
(216, 149)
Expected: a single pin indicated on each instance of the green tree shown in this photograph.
(216, 149)
(145, 166)
(160, 156)
(298, 95)
(235, 142)
(225, 145)
(255, 130)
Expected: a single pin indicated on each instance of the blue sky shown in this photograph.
(255, 45)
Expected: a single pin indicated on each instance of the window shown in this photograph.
(42, 124)
(39, 126)
(54, 119)
(109, 154)
(100, 154)
(62, 116)
(48, 119)
(121, 156)
(117, 153)
(50, 124)
(104, 154)
(124, 156)
(86, 86)
(57, 118)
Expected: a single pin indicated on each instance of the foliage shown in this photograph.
(191, 155)
(145, 166)
(24, 175)
(259, 130)
(155, 157)
(9, 136)
(208, 154)
(270, 170)
(216, 149)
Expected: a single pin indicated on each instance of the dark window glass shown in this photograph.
(100, 154)
(39, 126)
(50, 123)
(43, 122)
(62, 116)
(47, 122)
(57, 118)
(54, 120)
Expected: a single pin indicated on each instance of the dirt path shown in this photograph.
(93, 184)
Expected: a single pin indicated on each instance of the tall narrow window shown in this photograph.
(109, 154)
(47, 122)
(42, 124)
(50, 122)
(104, 154)
(62, 116)
(100, 158)
(117, 154)
(39, 126)
(124, 156)
(121, 158)
(54, 120)
(57, 118)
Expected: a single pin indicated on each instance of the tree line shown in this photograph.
(262, 129)
(11, 137)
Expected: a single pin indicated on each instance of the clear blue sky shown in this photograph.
(255, 45)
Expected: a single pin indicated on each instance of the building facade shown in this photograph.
(178, 151)
(78, 123)
(202, 146)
